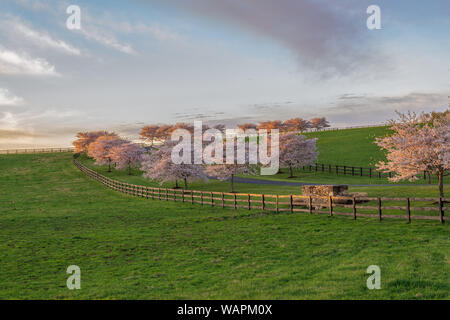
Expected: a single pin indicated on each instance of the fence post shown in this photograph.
(291, 201)
(337, 170)
(235, 202)
(276, 201)
(223, 200)
(379, 209)
(370, 172)
(441, 210)
(212, 199)
(159, 193)
(345, 170)
(192, 196)
(167, 194)
(248, 199)
(201, 197)
(182, 196)
(310, 204)
(353, 171)
(262, 201)
(408, 209)
(354, 208)
(360, 170)
(330, 204)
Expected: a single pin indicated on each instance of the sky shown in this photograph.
(143, 62)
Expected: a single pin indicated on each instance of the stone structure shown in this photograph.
(325, 190)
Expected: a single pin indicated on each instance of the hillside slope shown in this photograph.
(353, 147)
(53, 216)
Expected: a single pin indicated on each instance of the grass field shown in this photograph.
(223, 186)
(53, 216)
(353, 147)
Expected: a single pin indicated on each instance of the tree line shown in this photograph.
(416, 143)
(152, 133)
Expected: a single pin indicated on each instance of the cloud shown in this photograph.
(97, 35)
(364, 109)
(157, 31)
(8, 99)
(35, 5)
(325, 37)
(14, 63)
(41, 39)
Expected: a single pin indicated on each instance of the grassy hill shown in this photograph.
(354, 147)
(53, 216)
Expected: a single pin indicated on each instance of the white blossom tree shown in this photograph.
(417, 145)
(127, 155)
(159, 166)
(297, 151)
(100, 149)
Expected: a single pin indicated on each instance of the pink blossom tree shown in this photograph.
(226, 171)
(417, 145)
(319, 123)
(127, 155)
(84, 139)
(297, 151)
(100, 149)
(159, 166)
(296, 125)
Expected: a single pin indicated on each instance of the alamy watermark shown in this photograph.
(74, 280)
(374, 281)
(237, 147)
(374, 20)
(73, 22)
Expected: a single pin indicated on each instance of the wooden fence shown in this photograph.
(36, 150)
(372, 207)
(351, 170)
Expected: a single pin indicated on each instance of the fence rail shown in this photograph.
(352, 170)
(372, 207)
(346, 128)
(36, 150)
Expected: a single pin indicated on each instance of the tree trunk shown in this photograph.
(291, 173)
(176, 184)
(429, 177)
(109, 165)
(232, 183)
(440, 176)
(185, 184)
(129, 169)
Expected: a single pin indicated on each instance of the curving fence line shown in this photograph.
(36, 150)
(354, 206)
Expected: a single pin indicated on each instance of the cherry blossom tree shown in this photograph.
(127, 155)
(269, 125)
(226, 171)
(247, 126)
(149, 133)
(415, 146)
(297, 151)
(159, 166)
(100, 149)
(86, 138)
(181, 125)
(319, 123)
(296, 125)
